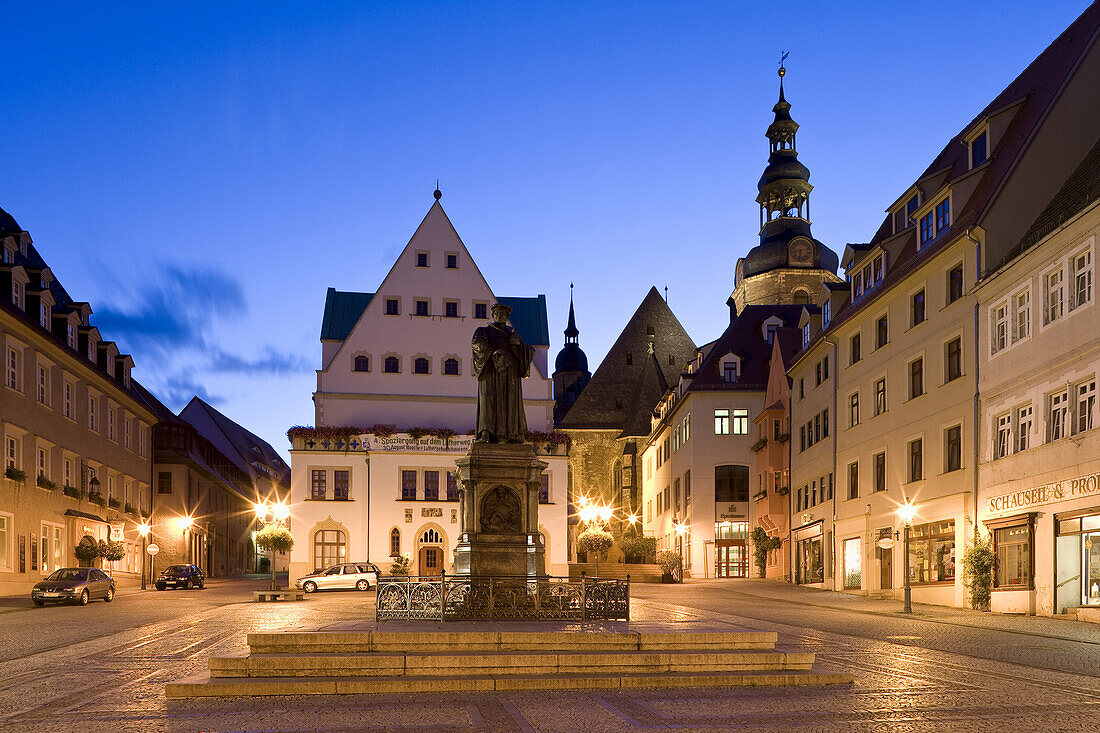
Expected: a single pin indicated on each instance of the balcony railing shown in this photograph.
(509, 598)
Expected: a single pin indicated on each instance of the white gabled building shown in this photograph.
(399, 358)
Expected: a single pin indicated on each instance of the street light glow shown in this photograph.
(280, 511)
(185, 523)
(144, 529)
(906, 512)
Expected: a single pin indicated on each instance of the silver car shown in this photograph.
(74, 585)
(348, 576)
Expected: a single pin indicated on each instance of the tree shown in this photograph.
(978, 566)
(762, 544)
(275, 537)
(594, 540)
(86, 550)
(671, 564)
(638, 549)
(112, 551)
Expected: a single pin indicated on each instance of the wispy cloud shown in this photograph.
(176, 390)
(270, 361)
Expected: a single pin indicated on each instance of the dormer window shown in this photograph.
(806, 336)
(927, 233)
(70, 335)
(91, 351)
(9, 255)
(979, 149)
(943, 215)
(44, 315)
(17, 293)
(729, 372)
(110, 365)
(825, 312)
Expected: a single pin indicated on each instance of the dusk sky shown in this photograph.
(202, 174)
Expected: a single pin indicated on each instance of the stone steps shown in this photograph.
(351, 662)
(372, 664)
(265, 686)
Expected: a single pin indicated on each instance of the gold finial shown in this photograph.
(782, 69)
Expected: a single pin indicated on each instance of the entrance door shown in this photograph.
(431, 560)
(1090, 570)
(731, 559)
(886, 568)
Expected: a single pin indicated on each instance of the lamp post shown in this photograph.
(269, 513)
(597, 515)
(143, 530)
(906, 512)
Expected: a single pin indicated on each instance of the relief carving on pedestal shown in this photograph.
(500, 511)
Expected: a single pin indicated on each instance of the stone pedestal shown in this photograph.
(498, 511)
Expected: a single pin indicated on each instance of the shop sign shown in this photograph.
(1066, 490)
(404, 442)
(117, 533)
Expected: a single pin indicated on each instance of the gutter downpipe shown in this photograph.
(977, 362)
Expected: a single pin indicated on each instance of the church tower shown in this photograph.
(570, 368)
(789, 265)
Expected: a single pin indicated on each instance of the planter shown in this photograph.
(71, 491)
(667, 578)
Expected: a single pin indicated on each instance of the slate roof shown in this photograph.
(343, 309)
(639, 385)
(1080, 189)
(84, 515)
(745, 338)
(250, 448)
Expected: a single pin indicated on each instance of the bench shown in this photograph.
(278, 595)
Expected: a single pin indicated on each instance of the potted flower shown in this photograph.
(671, 565)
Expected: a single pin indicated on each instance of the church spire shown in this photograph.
(571, 332)
(785, 185)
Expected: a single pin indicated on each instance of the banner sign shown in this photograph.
(1073, 488)
(403, 442)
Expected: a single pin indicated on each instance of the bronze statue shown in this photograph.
(501, 360)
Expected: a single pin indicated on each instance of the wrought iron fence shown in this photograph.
(509, 598)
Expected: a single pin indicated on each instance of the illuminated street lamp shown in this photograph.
(906, 512)
(271, 513)
(595, 516)
(143, 530)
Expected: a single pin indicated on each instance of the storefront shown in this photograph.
(1077, 559)
(731, 549)
(809, 557)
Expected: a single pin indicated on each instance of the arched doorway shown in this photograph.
(430, 554)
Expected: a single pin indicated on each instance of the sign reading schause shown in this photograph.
(1072, 488)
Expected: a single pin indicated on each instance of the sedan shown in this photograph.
(74, 585)
(181, 576)
(358, 576)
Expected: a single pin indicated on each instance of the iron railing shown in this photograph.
(507, 598)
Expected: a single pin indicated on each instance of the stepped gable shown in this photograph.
(621, 395)
(745, 338)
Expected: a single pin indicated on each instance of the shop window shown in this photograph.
(329, 548)
(809, 566)
(853, 563)
(932, 553)
(1012, 546)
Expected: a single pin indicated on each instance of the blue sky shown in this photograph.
(202, 173)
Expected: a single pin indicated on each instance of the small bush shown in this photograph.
(638, 549)
(400, 565)
(86, 550)
(978, 566)
(114, 503)
(130, 509)
(594, 540)
(758, 445)
(671, 563)
(762, 544)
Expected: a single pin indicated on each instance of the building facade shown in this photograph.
(395, 405)
(76, 434)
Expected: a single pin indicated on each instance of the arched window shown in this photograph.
(362, 364)
(395, 542)
(450, 366)
(420, 366)
(329, 548)
(801, 297)
(393, 365)
(430, 536)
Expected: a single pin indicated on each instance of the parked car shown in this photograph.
(181, 576)
(357, 576)
(74, 585)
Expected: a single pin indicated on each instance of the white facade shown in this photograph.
(1039, 459)
(400, 357)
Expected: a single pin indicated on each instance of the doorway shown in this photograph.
(431, 561)
(886, 568)
(731, 559)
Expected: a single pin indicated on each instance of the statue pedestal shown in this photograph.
(498, 507)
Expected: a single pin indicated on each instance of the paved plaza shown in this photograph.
(105, 666)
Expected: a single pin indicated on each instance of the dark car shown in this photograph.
(181, 576)
(74, 585)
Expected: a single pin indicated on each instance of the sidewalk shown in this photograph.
(1042, 626)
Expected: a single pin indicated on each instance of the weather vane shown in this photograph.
(782, 69)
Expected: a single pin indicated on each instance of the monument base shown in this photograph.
(499, 485)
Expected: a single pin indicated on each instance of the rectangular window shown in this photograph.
(421, 259)
(802, 437)
(954, 283)
(916, 307)
(1012, 546)
(1002, 443)
(127, 427)
(481, 310)
(721, 422)
(1054, 291)
(916, 460)
(1021, 303)
(953, 358)
(164, 482)
(42, 462)
(729, 372)
(544, 488)
(853, 480)
(93, 409)
(676, 495)
(1081, 265)
(452, 262)
(67, 471)
(393, 307)
(450, 308)
(916, 378)
(1086, 405)
(687, 427)
(740, 422)
(880, 472)
(141, 440)
(12, 368)
(998, 328)
(825, 368)
(422, 308)
(111, 423)
(687, 490)
(952, 448)
(853, 410)
(817, 374)
(854, 349)
(44, 385)
(12, 457)
(927, 233)
(649, 511)
(1024, 420)
(5, 540)
(67, 400)
(317, 484)
(341, 481)
(452, 486)
(943, 215)
(880, 396)
(824, 423)
(932, 553)
(731, 483)
(408, 485)
(1057, 416)
(978, 150)
(431, 485)
(882, 332)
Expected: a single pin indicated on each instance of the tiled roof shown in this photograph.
(1080, 189)
(343, 308)
(745, 338)
(84, 515)
(621, 396)
(250, 447)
